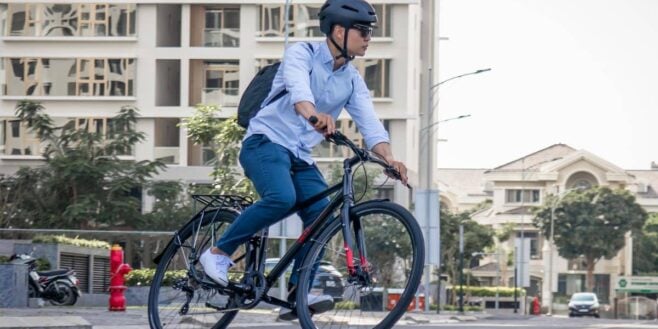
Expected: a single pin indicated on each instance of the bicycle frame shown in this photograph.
(258, 244)
(346, 199)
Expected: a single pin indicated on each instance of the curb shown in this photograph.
(44, 322)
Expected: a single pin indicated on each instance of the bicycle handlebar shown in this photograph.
(339, 139)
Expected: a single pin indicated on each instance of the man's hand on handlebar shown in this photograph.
(323, 123)
(400, 168)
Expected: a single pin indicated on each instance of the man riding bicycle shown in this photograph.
(276, 150)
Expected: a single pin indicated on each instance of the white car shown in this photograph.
(584, 303)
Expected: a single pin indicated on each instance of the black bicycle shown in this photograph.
(376, 248)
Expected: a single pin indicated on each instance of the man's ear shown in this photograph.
(338, 32)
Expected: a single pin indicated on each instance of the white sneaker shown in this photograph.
(216, 266)
(317, 304)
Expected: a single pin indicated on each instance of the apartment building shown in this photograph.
(515, 187)
(84, 60)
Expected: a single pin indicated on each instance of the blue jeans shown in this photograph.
(281, 180)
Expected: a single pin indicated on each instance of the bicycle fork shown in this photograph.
(359, 272)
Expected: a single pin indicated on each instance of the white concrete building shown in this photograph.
(83, 61)
(514, 188)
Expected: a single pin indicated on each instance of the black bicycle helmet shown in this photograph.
(345, 13)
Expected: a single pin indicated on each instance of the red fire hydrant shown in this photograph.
(117, 281)
(536, 306)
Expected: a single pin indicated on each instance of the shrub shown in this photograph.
(144, 277)
(488, 291)
(61, 239)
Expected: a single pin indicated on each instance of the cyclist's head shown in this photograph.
(350, 14)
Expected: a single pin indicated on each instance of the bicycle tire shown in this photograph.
(164, 305)
(395, 251)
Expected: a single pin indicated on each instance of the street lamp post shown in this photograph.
(426, 169)
(551, 246)
(461, 268)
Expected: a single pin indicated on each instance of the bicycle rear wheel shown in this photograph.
(176, 298)
(395, 253)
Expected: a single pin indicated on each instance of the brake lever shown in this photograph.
(396, 175)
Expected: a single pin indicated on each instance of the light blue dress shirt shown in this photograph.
(308, 75)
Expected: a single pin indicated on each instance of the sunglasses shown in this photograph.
(365, 30)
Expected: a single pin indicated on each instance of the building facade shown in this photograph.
(514, 188)
(84, 60)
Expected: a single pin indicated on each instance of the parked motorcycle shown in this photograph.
(59, 287)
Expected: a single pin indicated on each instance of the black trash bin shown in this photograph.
(372, 300)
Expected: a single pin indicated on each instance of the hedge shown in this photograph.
(144, 277)
(61, 239)
(488, 291)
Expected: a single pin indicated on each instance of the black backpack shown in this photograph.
(256, 92)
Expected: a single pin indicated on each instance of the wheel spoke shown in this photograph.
(395, 258)
(177, 299)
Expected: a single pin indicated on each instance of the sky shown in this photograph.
(579, 72)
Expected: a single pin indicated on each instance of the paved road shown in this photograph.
(136, 318)
(546, 323)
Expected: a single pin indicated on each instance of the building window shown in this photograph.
(222, 27)
(581, 180)
(304, 22)
(17, 139)
(522, 195)
(69, 77)
(222, 80)
(376, 73)
(70, 20)
(167, 140)
(105, 128)
(569, 284)
(535, 243)
(383, 28)
(602, 287)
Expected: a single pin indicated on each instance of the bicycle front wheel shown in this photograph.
(176, 298)
(393, 245)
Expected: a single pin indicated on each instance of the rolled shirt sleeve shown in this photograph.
(296, 69)
(360, 108)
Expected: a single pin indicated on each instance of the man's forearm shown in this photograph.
(384, 150)
(305, 109)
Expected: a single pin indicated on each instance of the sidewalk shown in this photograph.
(137, 318)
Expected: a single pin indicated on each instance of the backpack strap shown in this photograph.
(284, 91)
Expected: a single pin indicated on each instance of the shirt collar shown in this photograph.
(327, 57)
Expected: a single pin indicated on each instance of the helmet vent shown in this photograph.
(350, 8)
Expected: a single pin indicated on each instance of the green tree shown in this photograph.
(591, 223)
(83, 183)
(477, 238)
(171, 208)
(224, 136)
(363, 179)
(645, 248)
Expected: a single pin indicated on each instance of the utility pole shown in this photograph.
(426, 160)
(461, 268)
